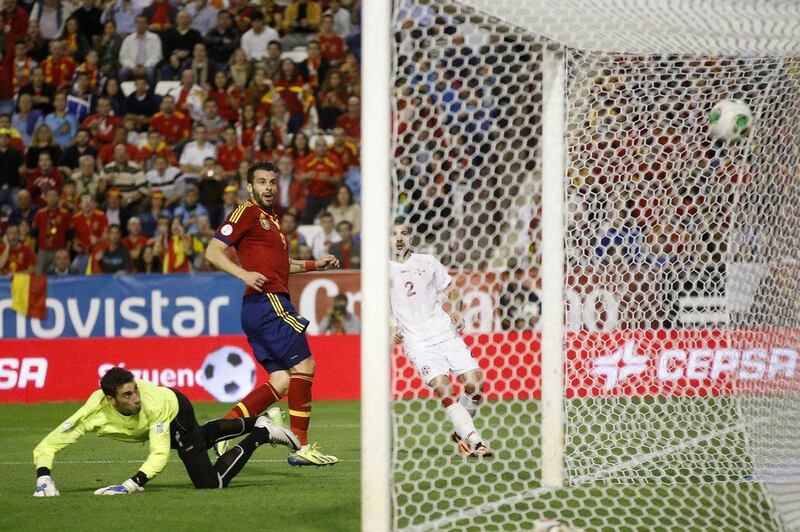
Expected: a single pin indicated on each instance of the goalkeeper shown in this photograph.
(134, 410)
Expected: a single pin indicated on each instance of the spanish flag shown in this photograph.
(29, 295)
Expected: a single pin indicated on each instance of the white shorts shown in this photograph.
(450, 356)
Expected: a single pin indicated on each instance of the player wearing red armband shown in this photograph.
(273, 327)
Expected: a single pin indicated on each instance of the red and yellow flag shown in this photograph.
(29, 295)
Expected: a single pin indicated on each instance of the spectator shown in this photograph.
(90, 67)
(26, 119)
(256, 40)
(351, 120)
(81, 97)
(25, 210)
(339, 320)
(142, 104)
(248, 128)
(305, 253)
(50, 227)
(41, 93)
(35, 42)
(182, 38)
(106, 155)
(214, 123)
(199, 242)
(291, 191)
(61, 266)
(289, 85)
(15, 19)
(279, 122)
(102, 124)
(135, 242)
(240, 69)
(7, 72)
(64, 125)
(78, 149)
(58, 68)
(76, 44)
(300, 21)
(222, 94)
(140, 52)
(351, 71)
(15, 255)
(115, 215)
(201, 66)
(88, 18)
(113, 92)
(160, 16)
(22, 68)
(179, 249)
(126, 178)
(69, 197)
(300, 149)
(190, 209)
(348, 251)
(314, 68)
(322, 241)
(331, 45)
(196, 152)
(189, 96)
(272, 63)
(268, 149)
(342, 24)
(13, 165)
(166, 179)
(109, 45)
(15, 136)
(204, 16)
(346, 151)
(148, 261)
(43, 178)
(322, 174)
(345, 208)
(173, 125)
(154, 146)
(111, 256)
(42, 141)
(230, 153)
(222, 40)
(230, 201)
(88, 227)
(294, 239)
(87, 179)
(211, 183)
(332, 101)
(149, 218)
(123, 14)
(51, 16)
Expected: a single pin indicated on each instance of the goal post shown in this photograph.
(628, 273)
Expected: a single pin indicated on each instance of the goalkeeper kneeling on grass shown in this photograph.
(135, 411)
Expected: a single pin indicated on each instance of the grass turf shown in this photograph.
(268, 493)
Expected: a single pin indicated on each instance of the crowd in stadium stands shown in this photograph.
(127, 127)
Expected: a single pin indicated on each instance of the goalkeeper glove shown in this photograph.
(129, 486)
(45, 487)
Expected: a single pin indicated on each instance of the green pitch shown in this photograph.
(267, 494)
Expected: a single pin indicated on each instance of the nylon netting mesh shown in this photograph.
(681, 388)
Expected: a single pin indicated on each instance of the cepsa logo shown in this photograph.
(20, 373)
(749, 364)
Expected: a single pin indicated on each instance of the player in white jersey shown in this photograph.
(431, 338)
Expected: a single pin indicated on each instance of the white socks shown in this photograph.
(471, 406)
(462, 422)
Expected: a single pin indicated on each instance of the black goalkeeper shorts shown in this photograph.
(188, 437)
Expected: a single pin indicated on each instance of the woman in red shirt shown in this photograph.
(332, 100)
(300, 148)
(248, 128)
(289, 85)
(222, 93)
(268, 148)
(230, 153)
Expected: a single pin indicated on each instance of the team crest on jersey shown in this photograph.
(425, 370)
(264, 223)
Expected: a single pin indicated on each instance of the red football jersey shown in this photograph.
(260, 245)
(83, 227)
(20, 258)
(52, 226)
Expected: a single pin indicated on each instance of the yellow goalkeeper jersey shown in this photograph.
(159, 408)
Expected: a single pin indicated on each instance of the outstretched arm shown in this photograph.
(215, 253)
(326, 262)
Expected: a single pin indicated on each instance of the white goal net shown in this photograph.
(681, 274)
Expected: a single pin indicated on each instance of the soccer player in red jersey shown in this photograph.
(274, 329)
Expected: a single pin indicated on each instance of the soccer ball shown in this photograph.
(729, 120)
(228, 374)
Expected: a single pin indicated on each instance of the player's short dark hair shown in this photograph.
(113, 379)
(259, 166)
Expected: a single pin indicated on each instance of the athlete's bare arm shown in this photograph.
(215, 253)
(326, 262)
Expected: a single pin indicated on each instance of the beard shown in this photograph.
(267, 206)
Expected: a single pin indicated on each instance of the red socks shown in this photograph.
(300, 404)
(255, 403)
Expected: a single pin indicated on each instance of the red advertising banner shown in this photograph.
(677, 362)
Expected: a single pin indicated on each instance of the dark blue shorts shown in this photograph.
(275, 331)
